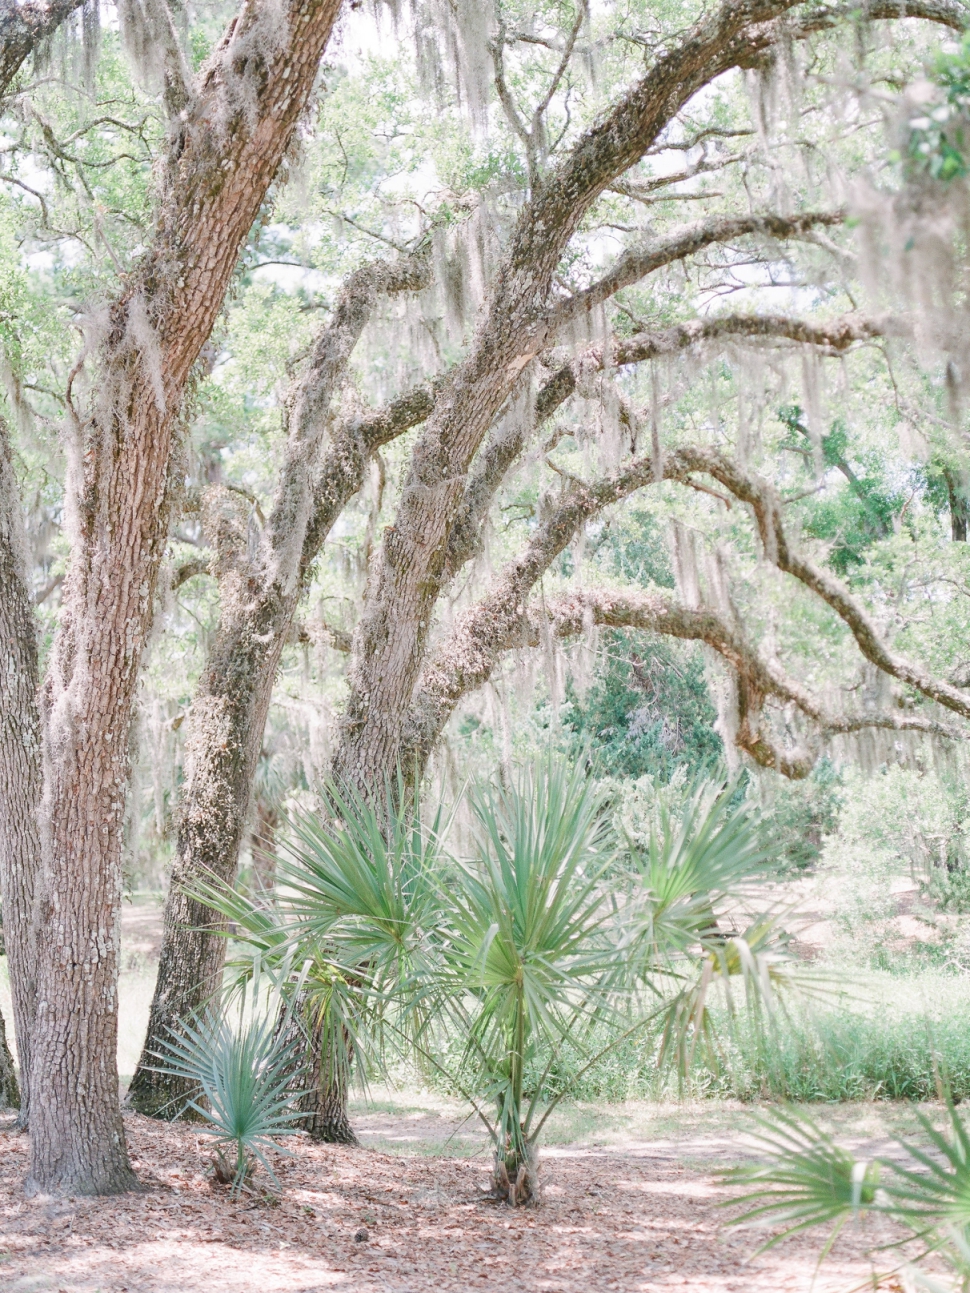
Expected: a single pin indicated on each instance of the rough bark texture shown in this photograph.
(225, 152)
(9, 1089)
(259, 598)
(23, 27)
(325, 1101)
(21, 783)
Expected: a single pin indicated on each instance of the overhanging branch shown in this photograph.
(638, 263)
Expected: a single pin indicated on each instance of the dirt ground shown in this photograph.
(632, 1204)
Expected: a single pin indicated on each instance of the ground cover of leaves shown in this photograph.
(628, 1213)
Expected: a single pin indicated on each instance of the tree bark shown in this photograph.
(225, 152)
(21, 779)
(958, 493)
(9, 1089)
(325, 1101)
(259, 600)
(519, 322)
(23, 27)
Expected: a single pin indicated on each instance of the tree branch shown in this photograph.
(767, 509)
(186, 571)
(25, 26)
(637, 263)
(391, 637)
(502, 450)
(307, 414)
(341, 472)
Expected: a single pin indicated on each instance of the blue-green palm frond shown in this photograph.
(245, 1074)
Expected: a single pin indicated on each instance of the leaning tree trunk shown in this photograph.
(520, 321)
(21, 783)
(227, 147)
(259, 600)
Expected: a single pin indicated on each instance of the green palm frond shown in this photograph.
(804, 1178)
(935, 1191)
(698, 860)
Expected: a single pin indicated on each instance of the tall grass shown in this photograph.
(890, 1038)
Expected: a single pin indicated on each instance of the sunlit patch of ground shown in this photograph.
(631, 1204)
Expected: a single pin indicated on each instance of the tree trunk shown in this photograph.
(228, 718)
(958, 492)
(520, 321)
(226, 149)
(21, 783)
(326, 1098)
(259, 600)
(327, 1105)
(9, 1090)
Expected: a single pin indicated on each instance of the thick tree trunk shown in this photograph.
(325, 1101)
(9, 1089)
(21, 782)
(329, 1120)
(229, 142)
(259, 601)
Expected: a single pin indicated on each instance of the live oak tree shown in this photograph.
(230, 127)
(543, 380)
(431, 627)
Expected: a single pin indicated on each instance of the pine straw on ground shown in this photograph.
(362, 1221)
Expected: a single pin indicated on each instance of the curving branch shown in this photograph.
(766, 506)
(307, 414)
(25, 26)
(516, 325)
(352, 444)
(823, 17)
(506, 444)
(757, 677)
(464, 660)
(637, 263)
(186, 571)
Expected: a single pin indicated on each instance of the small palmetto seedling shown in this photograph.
(805, 1179)
(245, 1073)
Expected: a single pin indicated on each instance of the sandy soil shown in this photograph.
(634, 1207)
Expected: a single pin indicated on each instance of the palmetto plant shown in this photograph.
(246, 1074)
(358, 907)
(538, 942)
(805, 1179)
(531, 955)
